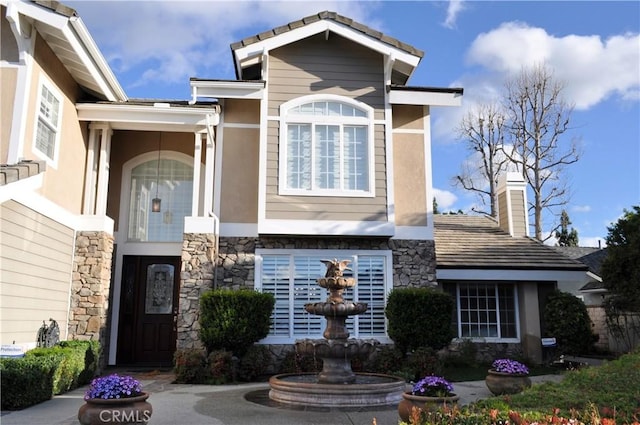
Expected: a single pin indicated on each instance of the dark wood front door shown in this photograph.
(148, 310)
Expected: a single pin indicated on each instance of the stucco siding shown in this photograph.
(408, 117)
(241, 111)
(8, 79)
(36, 255)
(64, 179)
(409, 182)
(317, 66)
(240, 158)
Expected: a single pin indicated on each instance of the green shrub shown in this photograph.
(234, 320)
(189, 366)
(254, 363)
(419, 317)
(220, 367)
(387, 359)
(567, 320)
(91, 351)
(423, 361)
(27, 381)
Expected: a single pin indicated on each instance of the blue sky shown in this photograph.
(154, 47)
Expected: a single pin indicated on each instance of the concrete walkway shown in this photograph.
(245, 404)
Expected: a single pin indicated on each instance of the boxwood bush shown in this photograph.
(45, 372)
(234, 320)
(419, 317)
(566, 318)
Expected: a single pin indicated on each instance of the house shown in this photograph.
(499, 276)
(319, 149)
(118, 213)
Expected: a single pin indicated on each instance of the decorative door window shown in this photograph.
(159, 294)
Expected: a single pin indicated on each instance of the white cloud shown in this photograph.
(444, 198)
(454, 8)
(581, 208)
(592, 68)
(170, 41)
(591, 241)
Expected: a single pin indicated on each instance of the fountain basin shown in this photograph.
(335, 309)
(340, 349)
(369, 389)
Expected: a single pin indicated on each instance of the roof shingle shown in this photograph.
(476, 242)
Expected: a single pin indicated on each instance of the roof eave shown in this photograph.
(69, 28)
(253, 52)
(433, 96)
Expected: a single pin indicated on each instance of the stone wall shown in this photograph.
(413, 265)
(196, 277)
(413, 260)
(91, 279)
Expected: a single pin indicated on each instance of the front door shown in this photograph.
(148, 310)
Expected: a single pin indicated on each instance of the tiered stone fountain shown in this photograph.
(337, 385)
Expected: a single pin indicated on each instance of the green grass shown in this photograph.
(613, 388)
(463, 372)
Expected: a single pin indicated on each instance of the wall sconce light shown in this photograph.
(155, 202)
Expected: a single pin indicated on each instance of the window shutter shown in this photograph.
(275, 280)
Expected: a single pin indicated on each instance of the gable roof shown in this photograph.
(68, 37)
(592, 257)
(249, 50)
(476, 242)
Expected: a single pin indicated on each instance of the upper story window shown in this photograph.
(48, 123)
(172, 182)
(326, 147)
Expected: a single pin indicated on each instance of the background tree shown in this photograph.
(565, 236)
(435, 206)
(621, 276)
(483, 131)
(538, 119)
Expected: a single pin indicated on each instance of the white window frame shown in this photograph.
(53, 126)
(325, 254)
(489, 339)
(288, 117)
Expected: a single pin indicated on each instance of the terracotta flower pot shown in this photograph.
(424, 403)
(132, 410)
(506, 383)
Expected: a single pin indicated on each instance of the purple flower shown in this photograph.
(509, 366)
(113, 386)
(433, 386)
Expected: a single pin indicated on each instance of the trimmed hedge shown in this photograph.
(419, 317)
(45, 372)
(567, 320)
(234, 320)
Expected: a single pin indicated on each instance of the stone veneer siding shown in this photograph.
(413, 265)
(196, 277)
(91, 281)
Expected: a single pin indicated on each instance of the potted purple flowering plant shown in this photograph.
(115, 399)
(430, 392)
(507, 376)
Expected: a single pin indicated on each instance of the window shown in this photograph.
(291, 278)
(486, 310)
(48, 123)
(327, 148)
(174, 189)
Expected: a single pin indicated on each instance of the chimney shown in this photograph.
(512, 204)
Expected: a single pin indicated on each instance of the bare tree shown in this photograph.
(538, 120)
(483, 131)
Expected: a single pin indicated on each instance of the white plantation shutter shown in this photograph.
(306, 290)
(292, 280)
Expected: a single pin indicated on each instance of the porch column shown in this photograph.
(209, 173)
(91, 174)
(103, 169)
(197, 157)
